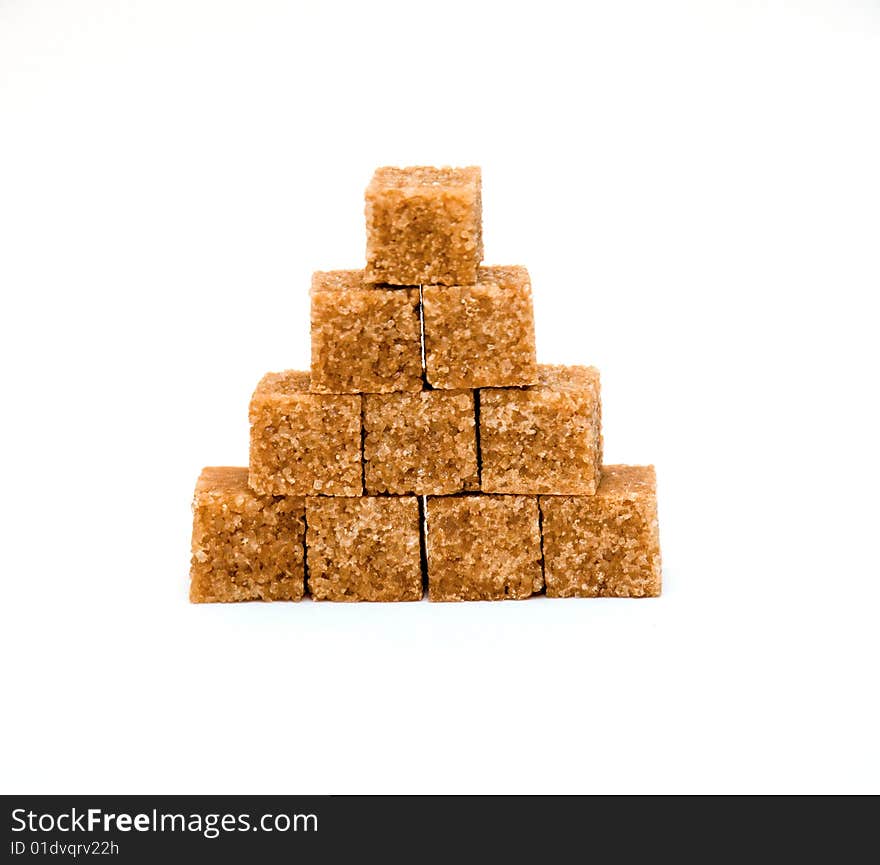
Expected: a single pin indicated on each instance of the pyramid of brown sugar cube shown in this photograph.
(426, 451)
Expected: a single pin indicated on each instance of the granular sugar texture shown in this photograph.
(481, 335)
(364, 549)
(245, 547)
(606, 545)
(543, 439)
(304, 443)
(365, 338)
(423, 443)
(483, 548)
(424, 226)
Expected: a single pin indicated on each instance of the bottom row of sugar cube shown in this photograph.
(473, 546)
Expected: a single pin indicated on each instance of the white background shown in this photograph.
(696, 191)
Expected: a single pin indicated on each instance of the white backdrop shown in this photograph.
(695, 189)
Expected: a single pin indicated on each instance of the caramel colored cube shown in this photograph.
(606, 545)
(245, 546)
(481, 335)
(301, 442)
(423, 443)
(364, 549)
(365, 338)
(424, 226)
(543, 439)
(483, 548)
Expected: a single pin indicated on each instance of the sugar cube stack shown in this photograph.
(426, 451)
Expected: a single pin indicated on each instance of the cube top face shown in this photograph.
(417, 178)
(605, 545)
(347, 280)
(215, 482)
(280, 385)
(545, 439)
(424, 226)
(364, 549)
(569, 379)
(629, 483)
(481, 335)
(423, 443)
(339, 280)
(244, 546)
(483, 547)
(505, 277)
(304, 443)
(365, 338)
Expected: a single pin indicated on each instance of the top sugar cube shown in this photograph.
(424, 226)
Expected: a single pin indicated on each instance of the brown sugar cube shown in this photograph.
(245, 546)
(481, 335)
(423, 443)
(301, 442)
(483, 548)
(365, 338)
(543, 439)
(424, 225)
(606, 545)
(364, 549)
